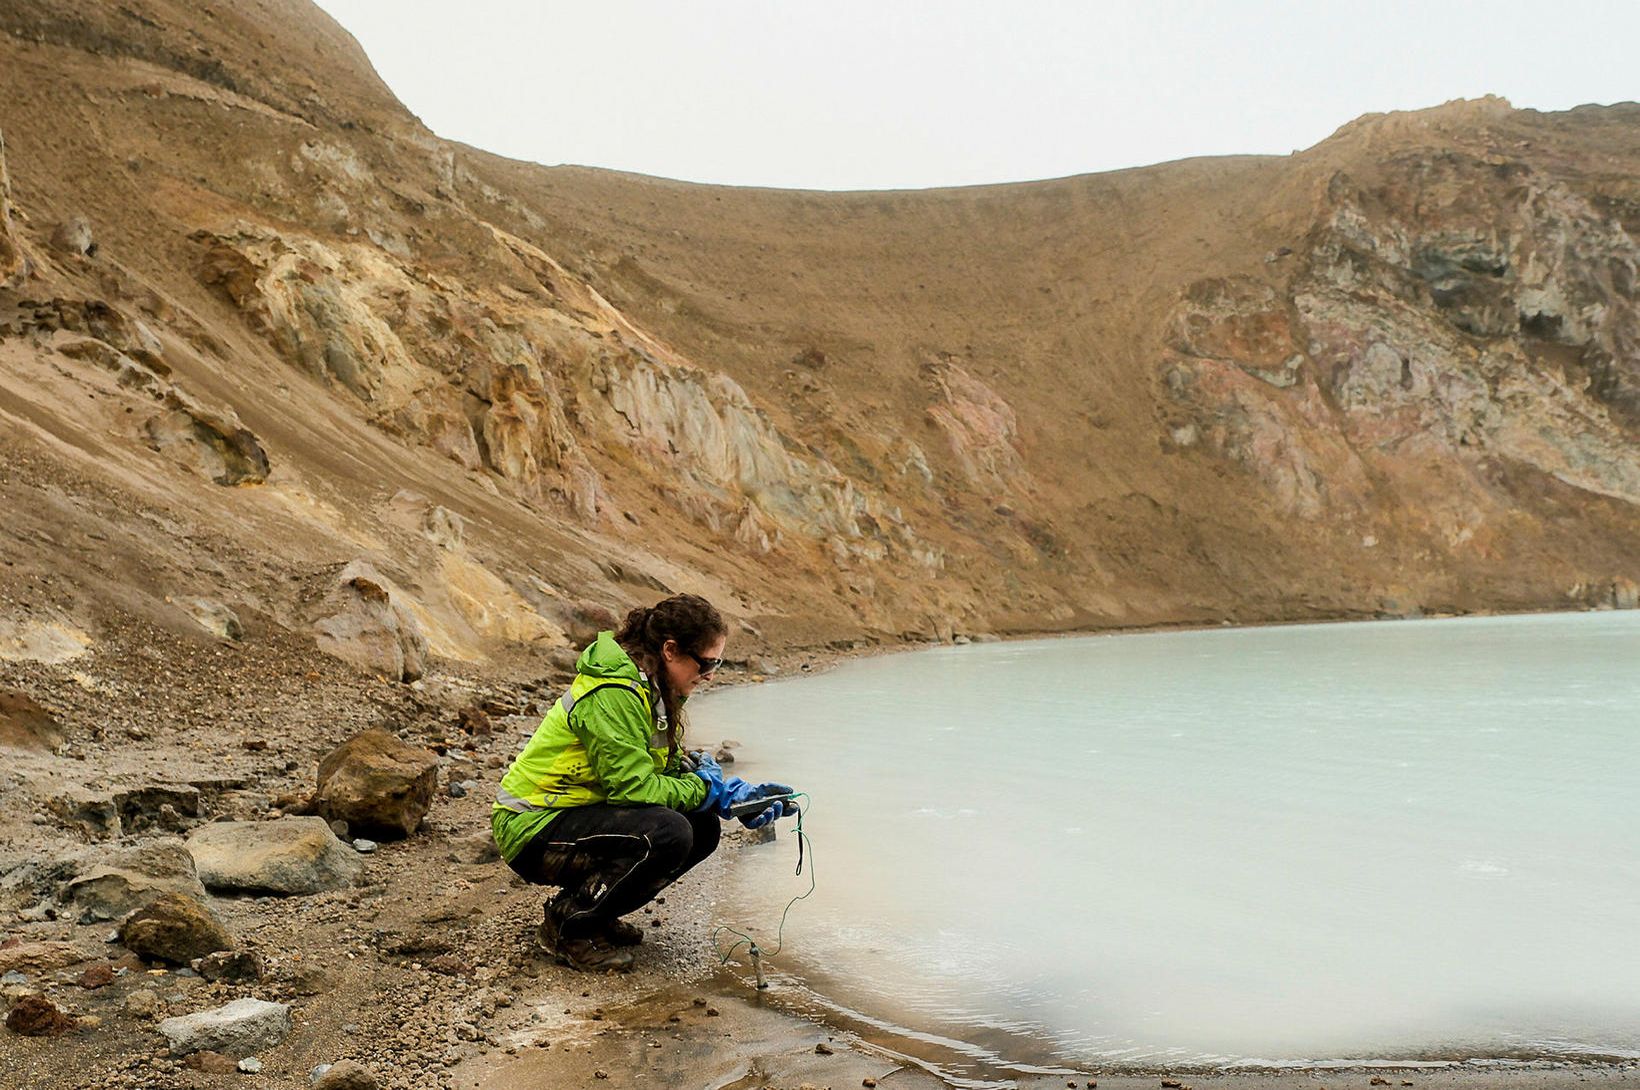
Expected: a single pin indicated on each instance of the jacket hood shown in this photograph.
(605, 658)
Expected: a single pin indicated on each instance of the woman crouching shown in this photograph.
(602, 803)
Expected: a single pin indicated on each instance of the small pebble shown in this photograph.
(363, 846)
(712, 1012)
(313, 1076)
(600, 1074)
(250, 1065)
(868, 1081)
(458, 791)
(14, 977)
(822, 1049)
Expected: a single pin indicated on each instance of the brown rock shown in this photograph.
(37, 1016)
(450, 965)
(475, 721)
(346, 1075)
(144, 1003)
(822, 1049)
(230, 966)
(175, 928)
(377, 784)
(211, 1063)
(98, 976)
(131, 878)
(24, 724)
(38, 957)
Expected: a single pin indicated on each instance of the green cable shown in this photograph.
(780, 933)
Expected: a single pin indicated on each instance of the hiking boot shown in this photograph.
(593, 954)
(621, 933)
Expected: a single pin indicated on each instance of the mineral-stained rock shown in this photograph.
(379, 785)
(361, 621)
(240, 1028)
(289, 856)
(211, 441)
(98, 976)
(174, 928)
(37, 1016)
(133, 877)
(346, 1075)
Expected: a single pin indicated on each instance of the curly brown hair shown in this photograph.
(687, 618)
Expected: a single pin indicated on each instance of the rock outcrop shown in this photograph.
(381, 787)
(13, 262)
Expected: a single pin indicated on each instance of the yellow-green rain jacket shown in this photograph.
(599, 743)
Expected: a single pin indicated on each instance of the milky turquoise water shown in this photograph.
(1415, 839)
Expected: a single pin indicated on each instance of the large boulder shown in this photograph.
(292, 855)
(362, 621)
(379, 785)
(241, 1028)
(131, 878)
(174, 928)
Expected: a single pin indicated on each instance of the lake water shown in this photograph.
(1406, 840)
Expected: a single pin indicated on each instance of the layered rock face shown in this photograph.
(1395, 372)
(1462, 331)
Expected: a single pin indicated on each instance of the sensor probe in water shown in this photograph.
(756, 952)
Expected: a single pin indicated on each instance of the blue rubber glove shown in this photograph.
(709, 770)
(737, 790)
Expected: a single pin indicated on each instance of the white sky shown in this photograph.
(877, 94)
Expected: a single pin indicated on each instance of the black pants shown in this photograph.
(610, 860)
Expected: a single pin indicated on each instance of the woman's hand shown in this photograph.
(709, 770)
(737, 790)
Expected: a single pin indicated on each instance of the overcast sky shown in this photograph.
(878, 94)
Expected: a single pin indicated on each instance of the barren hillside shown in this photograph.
(1397, 372)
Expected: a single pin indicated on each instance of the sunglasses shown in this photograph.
(707, 666)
